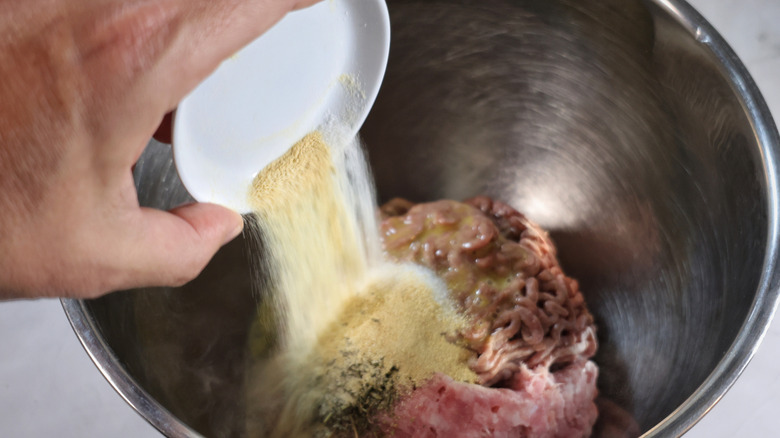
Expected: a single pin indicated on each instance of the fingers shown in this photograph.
(209, 32)
(163, 133)
(172, 248)
(144, 56)
(305, 4)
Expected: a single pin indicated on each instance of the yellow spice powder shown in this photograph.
(313, 241)
(397, 318)
(352, 337)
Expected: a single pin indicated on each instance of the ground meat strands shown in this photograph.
(502, 270)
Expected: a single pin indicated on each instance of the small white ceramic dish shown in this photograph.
(318, 67)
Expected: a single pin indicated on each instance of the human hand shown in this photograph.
(84, 86)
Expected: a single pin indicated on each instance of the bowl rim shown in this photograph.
(703, 399)
(111, 368)
(762, 310)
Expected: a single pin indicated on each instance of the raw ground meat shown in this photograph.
(539, 404)
(530, 328)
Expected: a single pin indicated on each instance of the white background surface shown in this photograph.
(49, 387)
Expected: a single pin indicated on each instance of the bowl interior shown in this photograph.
(605, 121)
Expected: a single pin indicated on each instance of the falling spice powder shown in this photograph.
(355, 334)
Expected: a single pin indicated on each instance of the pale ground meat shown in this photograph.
(539, 404)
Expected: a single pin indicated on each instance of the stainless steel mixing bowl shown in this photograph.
(627, 128)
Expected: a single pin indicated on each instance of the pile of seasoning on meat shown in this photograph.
(529, 327)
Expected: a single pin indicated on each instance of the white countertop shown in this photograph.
(49, 387)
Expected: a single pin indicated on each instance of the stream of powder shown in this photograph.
(349, 330)
(317, 221)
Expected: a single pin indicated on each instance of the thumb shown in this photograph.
(175, 246)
